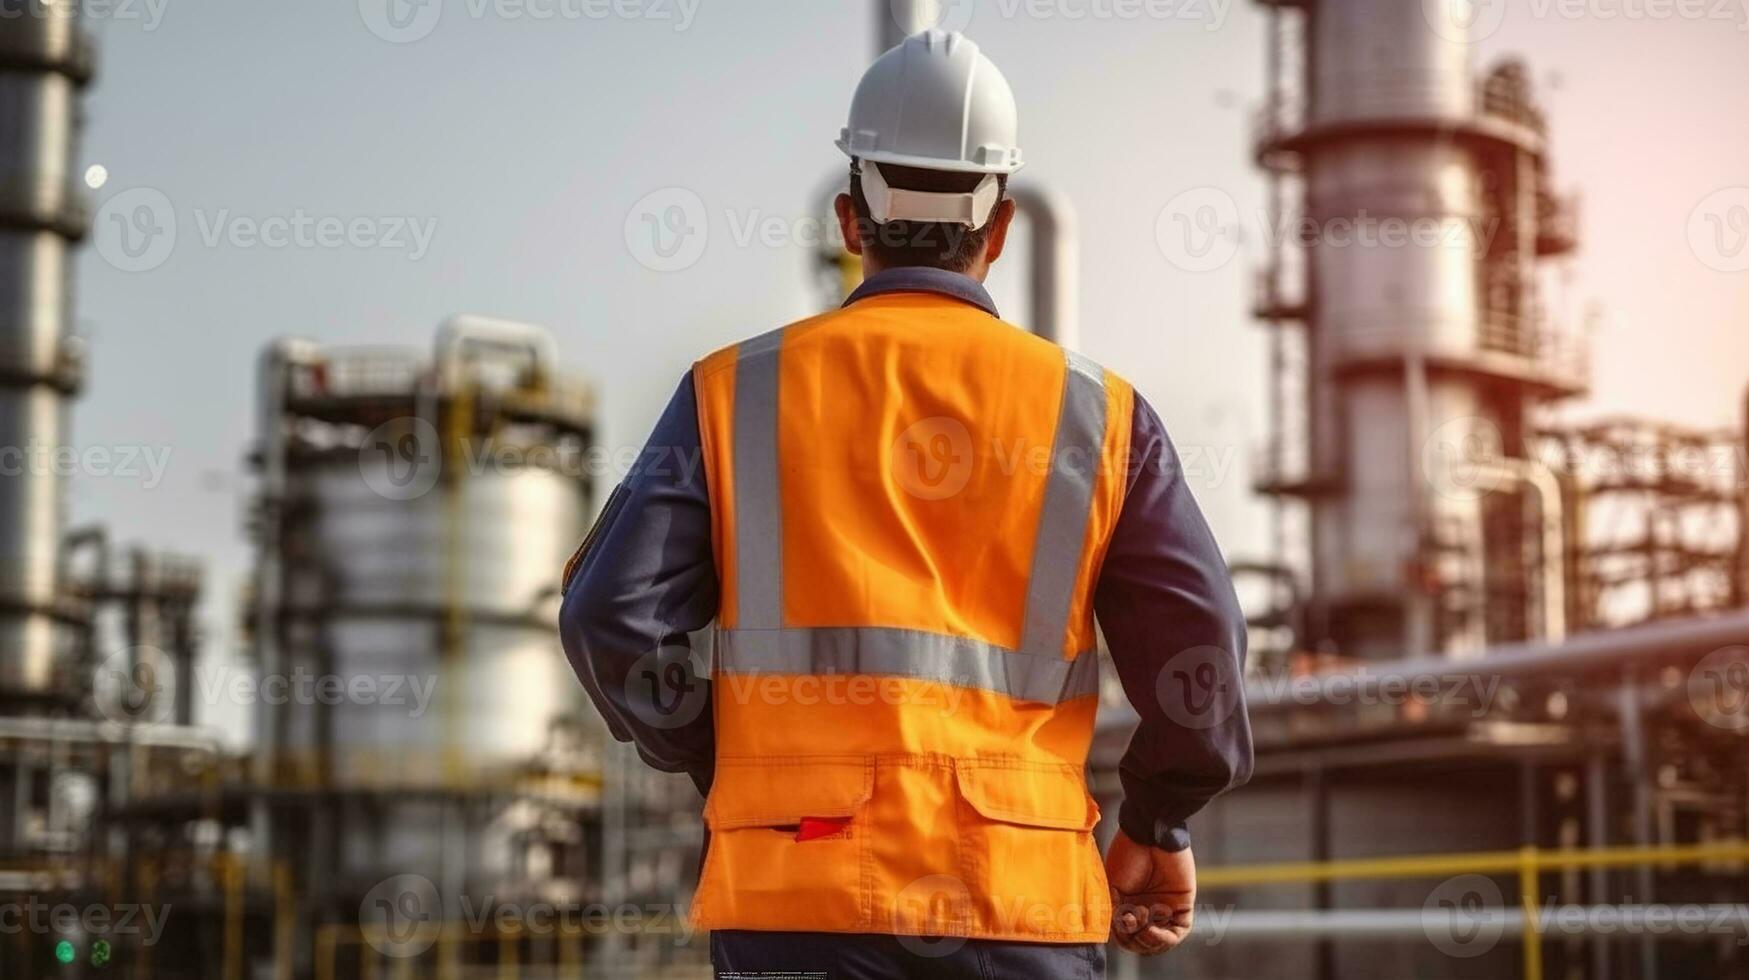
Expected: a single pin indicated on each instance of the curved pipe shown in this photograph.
(461, 334)
(896, 20)
(1054, 277)
(1551, 512)
(1055, 273)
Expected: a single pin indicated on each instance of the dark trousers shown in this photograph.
(740, 955)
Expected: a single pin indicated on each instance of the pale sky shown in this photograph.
(520, 145)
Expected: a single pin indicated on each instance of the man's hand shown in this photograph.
(1153, 895)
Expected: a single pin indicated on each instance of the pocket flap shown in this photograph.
(779, 793)
(1040, 796)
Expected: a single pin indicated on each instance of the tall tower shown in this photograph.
(1411, 343)
(45, 61)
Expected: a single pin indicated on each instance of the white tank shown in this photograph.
(425, 513)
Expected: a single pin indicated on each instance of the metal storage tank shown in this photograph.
(415, 516)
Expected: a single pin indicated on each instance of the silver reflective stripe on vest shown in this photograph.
(1062, 522)
(955, 660)
(1036, 672)
(758, 500)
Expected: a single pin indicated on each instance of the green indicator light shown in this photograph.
(64, 951)
(100, 953)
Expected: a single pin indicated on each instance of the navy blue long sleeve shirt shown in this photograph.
(645, 579)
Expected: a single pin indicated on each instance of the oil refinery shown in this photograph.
(1498, 655)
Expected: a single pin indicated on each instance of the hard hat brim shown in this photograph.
(928, 163)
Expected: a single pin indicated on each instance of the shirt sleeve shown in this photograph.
(641, 583)
(1166, 604)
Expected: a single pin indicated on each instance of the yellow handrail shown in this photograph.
(1470, 862)
(1528, 863)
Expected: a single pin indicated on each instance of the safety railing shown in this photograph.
(1392, 96)
(1527, 863)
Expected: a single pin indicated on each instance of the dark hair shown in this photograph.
(897, 244)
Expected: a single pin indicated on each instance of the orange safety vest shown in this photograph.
(910, 503)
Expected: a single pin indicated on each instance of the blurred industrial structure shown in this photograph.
(1493, 671)
(94, 640)
(1573, 593)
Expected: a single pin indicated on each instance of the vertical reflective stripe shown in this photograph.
(1062, 524)
(758, 505)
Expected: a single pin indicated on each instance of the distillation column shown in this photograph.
(44, 63)
(1425, 355)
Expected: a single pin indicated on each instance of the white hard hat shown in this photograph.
(936, 103)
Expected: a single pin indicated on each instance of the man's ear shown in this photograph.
(848, 223)
(999, 224)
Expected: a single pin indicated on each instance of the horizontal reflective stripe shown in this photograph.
(888, 652)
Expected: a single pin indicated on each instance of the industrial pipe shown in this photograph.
(896, 20)
(1587, 653)
(1055, 275)
(155, 735)
(1539, 479)
(1603, 920)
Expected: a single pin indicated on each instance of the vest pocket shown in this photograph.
(757, 875)
(1027, 845)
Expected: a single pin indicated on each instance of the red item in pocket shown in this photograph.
(816, 827)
